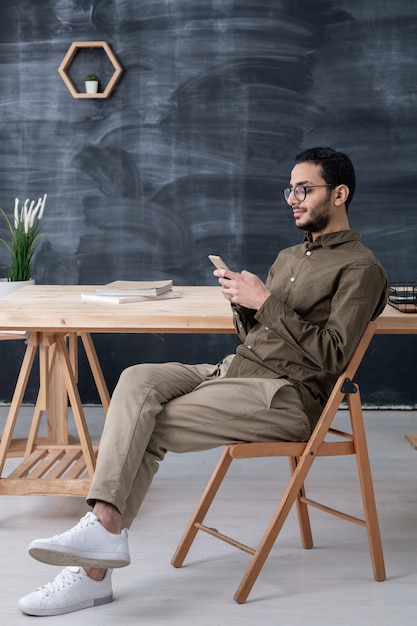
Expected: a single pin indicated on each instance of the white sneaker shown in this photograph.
(71, 590)
(87, 544)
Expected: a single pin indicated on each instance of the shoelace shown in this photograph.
(83, 523)
(64, 579)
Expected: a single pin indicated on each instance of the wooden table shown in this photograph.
(54, 317)
(394, 322)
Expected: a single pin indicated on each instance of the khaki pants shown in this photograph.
(173, 407)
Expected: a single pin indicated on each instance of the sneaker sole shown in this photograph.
(86, 604)
(55, 557)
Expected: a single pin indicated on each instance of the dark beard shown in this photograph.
(318, 222)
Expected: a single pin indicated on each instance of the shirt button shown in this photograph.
(292, 279)
(308, 252)
(249, 347)
(266, 328)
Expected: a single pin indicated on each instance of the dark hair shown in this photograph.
(336, 167)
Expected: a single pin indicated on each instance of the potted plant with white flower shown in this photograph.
(23, 231)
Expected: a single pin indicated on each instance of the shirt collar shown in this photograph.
(333, 239)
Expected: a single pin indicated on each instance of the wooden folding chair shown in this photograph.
(301, 457)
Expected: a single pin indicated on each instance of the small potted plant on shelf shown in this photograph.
(24, 231)
(91, 83)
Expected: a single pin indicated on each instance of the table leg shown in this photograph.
(52, 465)
(75, 400)
(57, 402)
(96, 370)
(412, 438)
(52, 395)
(17, 398)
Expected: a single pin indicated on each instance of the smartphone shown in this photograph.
(218, 262)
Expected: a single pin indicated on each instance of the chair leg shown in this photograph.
(302, 511)
(367, 489)
(281, 513)
(201, 509)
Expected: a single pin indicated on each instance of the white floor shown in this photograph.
(331, 584)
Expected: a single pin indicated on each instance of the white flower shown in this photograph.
(27, 214)
(23, 236)
(16, 212)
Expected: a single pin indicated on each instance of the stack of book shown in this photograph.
(120, 291)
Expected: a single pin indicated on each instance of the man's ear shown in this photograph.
(341, 194)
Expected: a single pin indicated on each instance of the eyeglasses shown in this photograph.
(300, 191)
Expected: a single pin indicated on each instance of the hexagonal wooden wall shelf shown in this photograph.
(69, 57)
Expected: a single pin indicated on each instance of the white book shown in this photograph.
(135, 288)
(92, 296)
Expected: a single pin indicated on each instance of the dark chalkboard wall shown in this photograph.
(190, 153)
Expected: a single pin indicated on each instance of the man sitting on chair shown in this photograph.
(298, 332)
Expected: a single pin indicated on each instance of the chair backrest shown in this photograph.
(344, 385)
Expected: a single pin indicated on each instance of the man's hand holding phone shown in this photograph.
(243, 288)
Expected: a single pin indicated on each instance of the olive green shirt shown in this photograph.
(323, 294)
